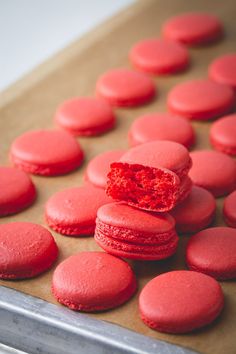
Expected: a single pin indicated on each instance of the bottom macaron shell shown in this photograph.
(213, 251)
(180, 301)
(93, 281)
(26, 250)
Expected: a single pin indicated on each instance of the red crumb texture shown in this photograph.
(142, 186)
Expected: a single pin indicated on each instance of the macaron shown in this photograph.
(131, 233)
(72, 211)
(196, 212)
(46, 152)
(151, 176)
(93, 281)
(26, 250)
(17, 191)
(229, 209)
(180, 301)
(161, 126)
(159, 56)
(213, 171)
(85, 116)
(222, 70)
(213, 251)
(125, 88)
(193, 28)
(200, 99)
(223, 134)
(99, 166)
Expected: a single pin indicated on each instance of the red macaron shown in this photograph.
(151, 176)
(193, 28)
(26, 250)
(99, 166)
(223, 134)
(213, 251)
(131, 233)
(93, 281)
(125, 88)
(200, 99)
(159, 56)
(213, 171)
(85, 116)
(17, 191)
(196, 212)
(46, 152)
(229, 209)
(180, 301)
(222, 70)
(73, 211)
(161, 126)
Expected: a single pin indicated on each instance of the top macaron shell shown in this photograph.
(200, 99)
(194, 28)
(124, 87)
(161, 126)
(17, 191)
(158, 56)
(46, 152)
(85, 116)
(223, 70)
(223, 134)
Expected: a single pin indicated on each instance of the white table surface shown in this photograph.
(33, 30)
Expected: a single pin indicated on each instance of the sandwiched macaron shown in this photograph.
(17, 191)
(180, 301)
(223, 134)
(151, 176)
(213, 171)
(85, 116)
(26, 250)
(99, 166)
(161, 126)
(73, 211)
(46, 152)
(213, 251)
(223, 70)
(124, 87)
(93, 281)
(200, 99)
(229, 210)
(159, 56)
(131, 233)
(193, 28)
(196, 212)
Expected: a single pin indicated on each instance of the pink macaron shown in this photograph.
(229, 209)
(222, 70)
(223, 134)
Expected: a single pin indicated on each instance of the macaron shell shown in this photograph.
(158, 56)
(223, 134)
(124, 87)
(213, 251)
(46, 152)
(213, 171)
(195, 212)
(73, 211)
(200, 99)
(229, 209)
(85, 116)
(17, 191)
(26, 250)
(193, 28)
(99, 166)
(161, 126)
(222, 70)
(93, 281)
(180, 301)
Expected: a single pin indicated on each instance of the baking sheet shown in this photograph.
(31, 104)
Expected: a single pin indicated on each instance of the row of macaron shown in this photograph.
(80, 282)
